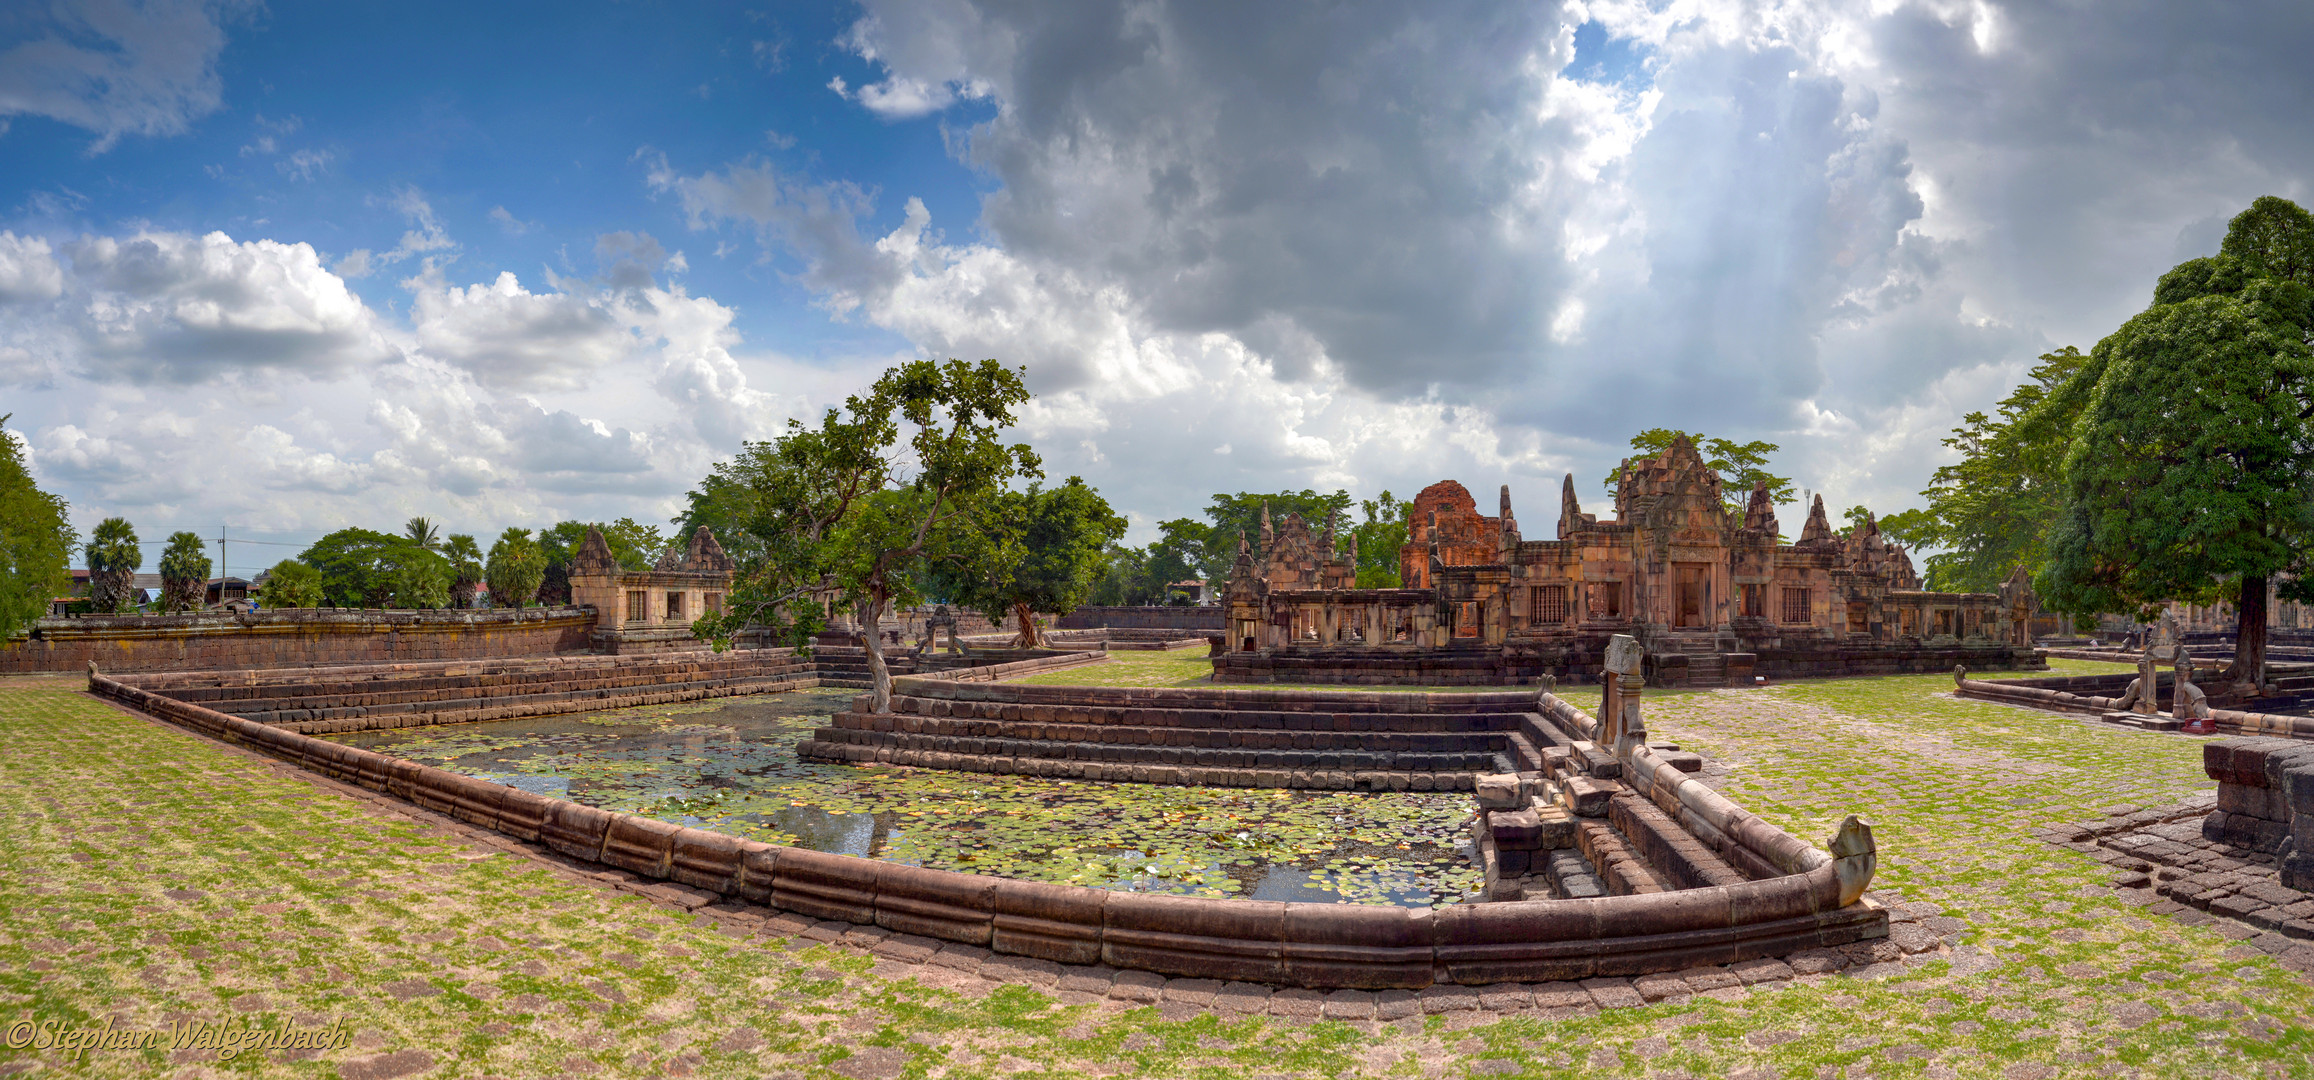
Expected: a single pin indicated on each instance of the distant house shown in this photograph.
(1196, 590)
(225, 590)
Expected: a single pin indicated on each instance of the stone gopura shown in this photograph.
(1712, 597)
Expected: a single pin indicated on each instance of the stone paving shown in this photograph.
(148, 876)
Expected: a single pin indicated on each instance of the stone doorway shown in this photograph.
(1691, 597)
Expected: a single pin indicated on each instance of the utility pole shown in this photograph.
(222, 563)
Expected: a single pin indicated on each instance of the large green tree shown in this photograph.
(515, 569)
(292, 584)
(1379, 538)
(363, 568)
(1990, 512)
(1023, 552)
(1739, 465)
(852, 507)
(36, 542)
(2191, 467)
(113, 558)
(184, 572)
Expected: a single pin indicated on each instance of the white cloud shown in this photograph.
(1744, 218)
(117, 68)
(507, 336)
(514, 226)
(305, 164)
(28, 270)
(171, 307)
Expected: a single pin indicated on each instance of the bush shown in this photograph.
(292, 584)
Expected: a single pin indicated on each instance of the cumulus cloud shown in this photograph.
(117, 68)
(28, 270)
(507, 336)
(175, 308)
(1832, 225)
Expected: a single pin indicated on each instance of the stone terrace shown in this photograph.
(1217, 737)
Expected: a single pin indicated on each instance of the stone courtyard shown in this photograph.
(155, 877)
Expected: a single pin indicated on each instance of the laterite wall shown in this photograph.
(293, 637)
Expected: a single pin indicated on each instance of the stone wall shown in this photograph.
(1314, 945)
(2265, 801)
(1575, 662)
(293, 637)
(1201, 619)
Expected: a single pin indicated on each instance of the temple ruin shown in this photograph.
(1714, 597)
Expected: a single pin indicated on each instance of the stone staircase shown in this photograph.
(1217, 737)
(1706, 665)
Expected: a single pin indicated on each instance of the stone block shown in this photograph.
(1448, 997)
(1660, 987)
(1348, 1005)
(1608, 993)
(1586, 797)
(1499, 791)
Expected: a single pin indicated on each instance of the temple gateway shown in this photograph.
(1715, 597)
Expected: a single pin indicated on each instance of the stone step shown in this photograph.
(1350, 760)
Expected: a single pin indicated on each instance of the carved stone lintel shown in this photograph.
(1854, 858)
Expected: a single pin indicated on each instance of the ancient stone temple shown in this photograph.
(650, 610)
(1715, 597)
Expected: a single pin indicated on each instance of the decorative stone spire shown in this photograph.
(1818, 529)
(1760, 512)
(705, 555)
(1509, 541)
(1571, 515)
(1268, 535)
(593, 557)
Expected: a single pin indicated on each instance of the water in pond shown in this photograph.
(730, 765)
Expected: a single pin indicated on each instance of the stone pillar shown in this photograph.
(1326, 624)
(1622, 684)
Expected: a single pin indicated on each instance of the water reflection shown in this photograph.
(731, 766)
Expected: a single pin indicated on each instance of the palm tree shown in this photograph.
(465, 568)
(424, 531)
(113, 558)
(184, 572)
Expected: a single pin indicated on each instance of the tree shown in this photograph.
(292, 584)
(36, 542)
(2191, 467)
(465, 568)
(113, 558)
(515, 569)
(1379, 538)
(636, 546)
(1037, 550)
(184, 572)
(1739, 465)
(1125, 576)
(423, 532)
(420, 578)
(851, 510)
(357, 566)
(1991, 512)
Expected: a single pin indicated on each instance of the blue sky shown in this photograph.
(283, 269)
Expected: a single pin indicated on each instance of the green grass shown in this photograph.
(146, 874)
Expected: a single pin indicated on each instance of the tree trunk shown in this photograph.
(871, 636)
(2249, 667)
(1029, 638)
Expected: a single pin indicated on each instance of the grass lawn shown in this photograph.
(149, 876)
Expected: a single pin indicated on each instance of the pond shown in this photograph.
(730, 766)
